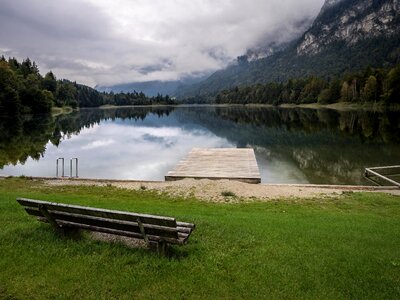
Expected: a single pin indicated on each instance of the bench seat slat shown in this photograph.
(183, 236)
(184, 230)
(187, 225)
(97, 212)
(108, 223)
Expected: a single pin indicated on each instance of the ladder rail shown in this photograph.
(76, 167)
(60, 163)
(62, 166)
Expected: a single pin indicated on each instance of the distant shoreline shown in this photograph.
(334, 106)
(344, 106)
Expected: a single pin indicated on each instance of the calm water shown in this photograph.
(291, 145)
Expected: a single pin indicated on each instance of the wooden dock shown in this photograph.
(218, 163)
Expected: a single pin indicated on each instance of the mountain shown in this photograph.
(152, 88)
(350, 22)
(279, 39)
(347, 35)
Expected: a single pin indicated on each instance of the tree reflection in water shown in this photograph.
(292, 145)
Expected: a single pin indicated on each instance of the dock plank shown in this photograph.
(218, 163)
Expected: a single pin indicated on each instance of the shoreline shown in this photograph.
(57, 111)
(339, 106)
(222, 190)
(344, 106)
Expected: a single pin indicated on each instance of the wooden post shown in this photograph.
(143, 232)
(48, 216)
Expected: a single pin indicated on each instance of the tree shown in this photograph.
(393, 86)
(334, 87)
(311, 90)
(66, 94)
(50, 83)
(41, 101)
(369, 92)
(27, 67)
(46, 103)
(31, 90)
(345, 92)
(325, 96)
(9, 98)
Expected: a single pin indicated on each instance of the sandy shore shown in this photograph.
(230, 191)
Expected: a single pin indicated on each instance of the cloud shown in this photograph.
(109, 42)
(98, 144)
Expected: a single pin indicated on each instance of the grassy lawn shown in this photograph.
(347, 247)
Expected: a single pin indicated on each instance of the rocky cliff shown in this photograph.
(350, 21)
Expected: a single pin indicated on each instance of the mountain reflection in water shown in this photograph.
(292, 145)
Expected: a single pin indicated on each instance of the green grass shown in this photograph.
(329, 249)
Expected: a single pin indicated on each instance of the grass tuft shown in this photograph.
(228, 194)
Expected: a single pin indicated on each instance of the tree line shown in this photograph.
(370, 86)
(24, 90)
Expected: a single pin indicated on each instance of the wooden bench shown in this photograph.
(157, 231)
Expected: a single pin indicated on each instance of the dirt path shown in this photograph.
(230, 191)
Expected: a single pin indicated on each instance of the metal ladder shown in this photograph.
(70, 167)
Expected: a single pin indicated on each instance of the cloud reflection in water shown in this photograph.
(122, 150)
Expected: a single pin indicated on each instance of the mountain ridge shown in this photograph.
(337, 42)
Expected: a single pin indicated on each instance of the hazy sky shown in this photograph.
(108, 42)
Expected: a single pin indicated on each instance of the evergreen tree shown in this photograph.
(9, 98)
(50, 83)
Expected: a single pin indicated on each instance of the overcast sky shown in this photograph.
(108, 42)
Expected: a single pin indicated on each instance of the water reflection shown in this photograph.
(292, 145)
(125, 144)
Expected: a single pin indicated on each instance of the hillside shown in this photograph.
(347, 35)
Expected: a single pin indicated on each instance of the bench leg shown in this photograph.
(70, 232)
(160, 247)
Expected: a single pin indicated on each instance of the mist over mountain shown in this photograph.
(279, 40)
(275, 41)
(347, 35)
(274, 34)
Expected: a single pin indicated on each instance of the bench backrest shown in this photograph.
(149, 227)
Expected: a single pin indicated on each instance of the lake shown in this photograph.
(292, 145)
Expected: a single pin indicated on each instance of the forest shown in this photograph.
(23, 90)
(370, 86)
